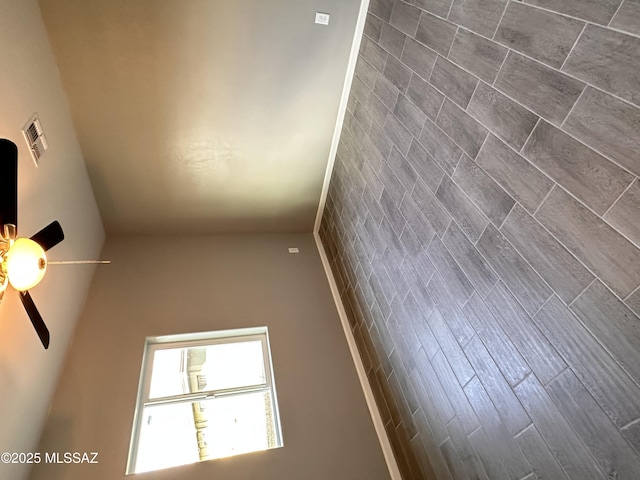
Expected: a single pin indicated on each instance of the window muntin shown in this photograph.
(204, 396)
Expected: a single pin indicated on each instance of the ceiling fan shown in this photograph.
(23, 260)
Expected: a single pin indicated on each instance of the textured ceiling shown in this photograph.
(203, 116)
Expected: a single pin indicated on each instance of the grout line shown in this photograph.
(514, 386)
(543, 200)
(544, 64)
(476, 242)
(457, 164)
(572, 108)
(500, 21)
(588, 22)
(630, 424)
(507, 216)
(504, 60)
(529, 137)
(471, 97)
(617, 199)
(528, 427)
(454, 39)
(449, 12)
(573, 46)
(631, 294)
(529, 110)
(582, 291)
(553, 292)
(615, 13)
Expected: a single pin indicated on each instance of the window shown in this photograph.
(204, 396)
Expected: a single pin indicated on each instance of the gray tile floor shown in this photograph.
(482, 224)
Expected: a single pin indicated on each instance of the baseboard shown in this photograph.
(378, 424)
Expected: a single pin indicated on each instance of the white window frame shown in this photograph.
(201, 339)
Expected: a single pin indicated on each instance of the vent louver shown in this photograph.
(34, 136)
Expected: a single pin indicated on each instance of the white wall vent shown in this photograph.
(36, 141)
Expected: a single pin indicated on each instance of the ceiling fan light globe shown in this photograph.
(25, 263)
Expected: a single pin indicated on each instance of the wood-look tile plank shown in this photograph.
(435, 402)
(398, 133)
(525, 335)
(377, 110)
(567, 448)
(454, 464)
(507, 357)
(396, 72)
(613, 324)
(513, 415)
(425, 96)
(598, 11)
(453, 81)
(541, 89)
(392, 184)
(372, 27)
(490, 197)
(430, 207)
(461, 127)
(600, 247)
(455, 280)
(526, 285)
(440, 147)
(538, 455)
(466, 214)
(482, 446)
(540, 34)
(609, 60)
(409, 115)
(381, 9)
(376, 56)
(614, 390)
(504, 117)
(392, 40)
(446, 303)
(624, 216)
(435, 33)
(470, 460)
(608, 125)
(589, 176)
(615, 456)
(633, 301)
(365, 72)
(475, 267)
(459, 402)
(478, 55)
(628, 17)
(405, 18)
(566, 275)
(425, 166)
(386, 91)
(402, 169)
(430, 445)
(438, 7)
(418, 58)
(481, 16)
(515, 174)
(501, 440)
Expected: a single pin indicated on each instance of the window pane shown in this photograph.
(238, 424)
(180, 433)
(213, 367)
(167, 437)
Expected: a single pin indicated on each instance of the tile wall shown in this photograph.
(483, 224)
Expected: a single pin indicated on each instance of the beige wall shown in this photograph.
(164, 285)
(58, 189)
